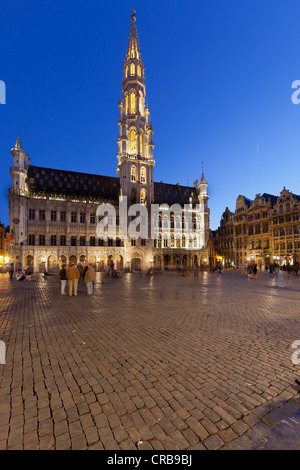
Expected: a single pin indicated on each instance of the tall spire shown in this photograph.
(135, 143)
(133, 51)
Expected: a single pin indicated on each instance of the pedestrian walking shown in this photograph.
(73, 275)
(255, 269)
(250, 271)
(63, 279)
(89, 279)
(11, 270)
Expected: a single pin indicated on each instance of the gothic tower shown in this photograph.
(203, 212)
(135, 144)
(18, 192)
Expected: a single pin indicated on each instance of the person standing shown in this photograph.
(89, 279)
(63, 279)
(11, 270)
(72, 275)
(255, 269)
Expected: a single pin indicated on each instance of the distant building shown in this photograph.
(4, 252)
(53, 213)
(264, 230)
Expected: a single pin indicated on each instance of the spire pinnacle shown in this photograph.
(18, 142)
(133, 51)
(133, 18)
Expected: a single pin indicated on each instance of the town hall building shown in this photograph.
(53, 213)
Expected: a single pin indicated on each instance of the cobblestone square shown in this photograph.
(160, 362)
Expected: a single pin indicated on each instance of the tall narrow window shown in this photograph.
(141, 143)
(143, 196)
(133, 174)
(132, 69)
(143, 175)
(126, 104)
(139, 71)
(31, 214)
(133, 140)
(132, 103)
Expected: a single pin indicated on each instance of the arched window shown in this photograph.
(160, 221)
(126, 104)
(126, 71)
(132, 103)
(133, 174)
(133, 140)
(143, 175)
(132, 69)
(139, 71)
(143, 196)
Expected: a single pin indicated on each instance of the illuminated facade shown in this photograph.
(264, 230)
(53, 212)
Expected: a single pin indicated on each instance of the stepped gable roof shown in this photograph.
(174, 194)
(48, 180)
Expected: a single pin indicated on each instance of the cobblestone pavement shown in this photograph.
(159, 362)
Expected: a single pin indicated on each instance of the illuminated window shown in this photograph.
(132, 103)
(133, 140)
(126, 71)
(141, 143)
(126, 104)
(133, 174)
(143, 196)
(143, 175)
(132, 69)
(139, 71)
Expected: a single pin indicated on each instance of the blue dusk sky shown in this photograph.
(219, 77)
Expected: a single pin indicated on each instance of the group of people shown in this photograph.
(251, 269)
(25, 274)
(71, 276)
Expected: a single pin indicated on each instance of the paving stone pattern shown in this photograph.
(159, 362)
